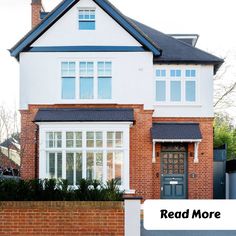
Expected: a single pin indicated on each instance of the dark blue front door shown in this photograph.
(173, 174)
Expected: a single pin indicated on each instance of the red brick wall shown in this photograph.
(61, 218)
(143, 174)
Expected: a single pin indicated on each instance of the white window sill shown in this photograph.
(87, 101)
(177, 105)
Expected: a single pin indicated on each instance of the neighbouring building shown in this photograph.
(103, 96)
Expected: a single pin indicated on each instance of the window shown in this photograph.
(190, 73)
(86, 19)
(160, 91)
(176, 85)
(53, 140)
(175, 73)
(190, 91)
(68, 80)
(73, 167)
(104, 80)
(175, 91)
(86, 80)
(161, 73)
(85, 153)
(73, 139)
(54, 165)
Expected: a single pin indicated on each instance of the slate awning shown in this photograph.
(176, 131)
(85, 115)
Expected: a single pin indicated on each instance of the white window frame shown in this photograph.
(87, 9)
(95, 76)
(182, 79)
(124, 127)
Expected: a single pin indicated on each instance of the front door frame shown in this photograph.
(185, 170)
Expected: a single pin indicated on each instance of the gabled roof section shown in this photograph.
(176, 51)
(65, 6)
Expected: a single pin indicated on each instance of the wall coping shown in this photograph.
(63, 204)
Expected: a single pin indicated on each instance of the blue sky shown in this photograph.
(213, 20)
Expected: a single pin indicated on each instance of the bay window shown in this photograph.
(85, 152)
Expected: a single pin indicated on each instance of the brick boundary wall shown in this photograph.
(61, 218)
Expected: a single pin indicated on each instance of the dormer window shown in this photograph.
(86, 19)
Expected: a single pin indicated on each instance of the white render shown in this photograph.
(133, 82)
(65, 31)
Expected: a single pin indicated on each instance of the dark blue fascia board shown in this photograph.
(124, 23)
(46, 23)
(87, 49)
(52, 17)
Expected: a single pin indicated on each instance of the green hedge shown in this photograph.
(58, 190)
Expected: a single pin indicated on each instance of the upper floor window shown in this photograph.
(86, 70)
(87, 19)
(68, 80)
(176, 85)
(94, 80)
(104, 80)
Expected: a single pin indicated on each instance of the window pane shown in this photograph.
(175, 91)
(119, 139)
(109, 166)
(68, 88)
(161, 73)
(90, 166)
(59, 165)
(160, 91)
(70, 168)
(86, 88)
(104, 88)
(51, 165)
(78, 136)
(87, 25)
(190, 92)
(99, 166)
(99, 139)
(118, 167)
(69, 139)
(78, 168)
(49, 140)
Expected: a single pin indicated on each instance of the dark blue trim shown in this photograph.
(87, 49)
(130, 28)
(63, 8)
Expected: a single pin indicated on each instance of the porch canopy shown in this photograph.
(177, 132)
(84, 115)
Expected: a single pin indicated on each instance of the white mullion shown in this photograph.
(104, 164)
(55, 165)
(47, 164)
(95, 80)
(113, 164)
(64, 164)
(74, 171)
(84, 164)
(94, 164)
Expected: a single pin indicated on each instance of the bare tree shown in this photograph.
(225, 84)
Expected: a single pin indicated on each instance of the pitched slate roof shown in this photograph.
(174, 50)
(166, 49)
(85, 115)
(66, 5)
(178, 131)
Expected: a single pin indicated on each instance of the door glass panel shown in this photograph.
(109, 165)
(118, 167)
(59, 165)
(51, 165)
(99, 165)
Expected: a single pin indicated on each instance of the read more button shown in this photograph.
(189, 214)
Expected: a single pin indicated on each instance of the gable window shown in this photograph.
(86, 19)
(176, 85)
(68, 80)
(104, 80)
(86, 80)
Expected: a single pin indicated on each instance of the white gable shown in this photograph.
(65, 31)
